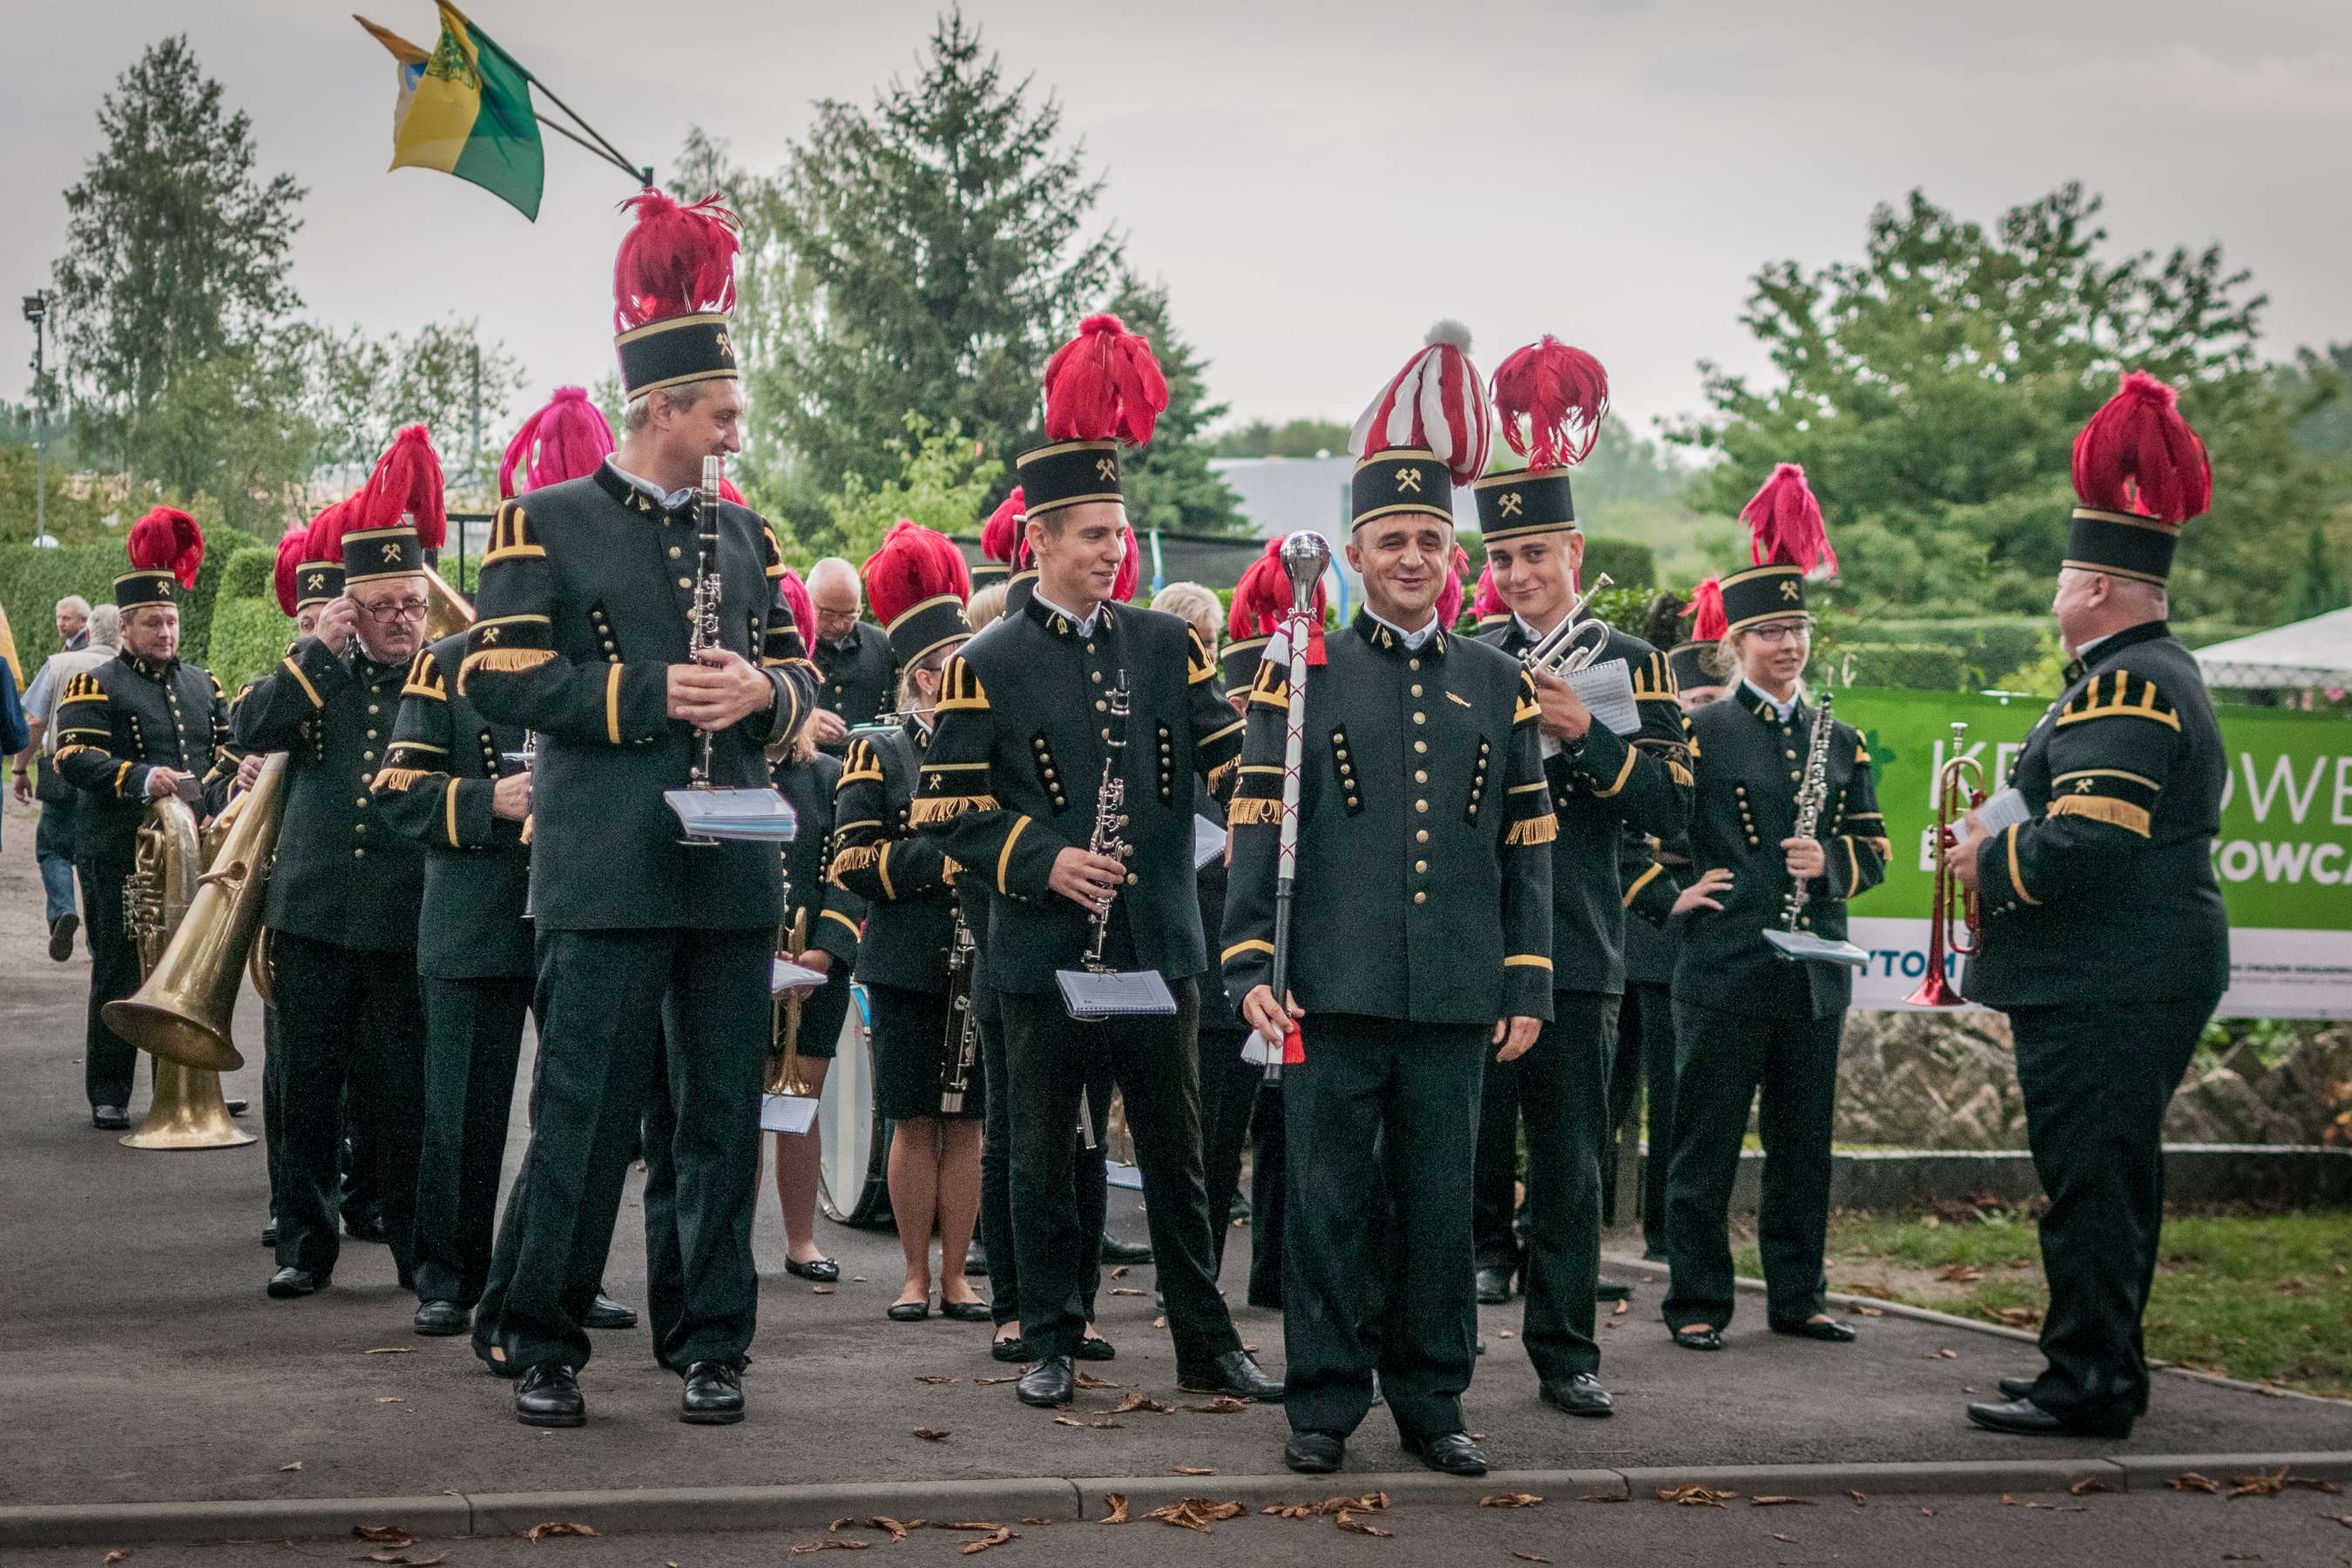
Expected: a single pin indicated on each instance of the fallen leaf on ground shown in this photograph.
(120, 1554)
(1160, 1322)
(1118, 1504)
(1124, 1290)
(896, 1530)
(1530, 1557)
(1511, 1500)
(2258, 1486)
(933, 1378)
(1136, 1401)
(2088, 1485)
(1505, 1333)
(1348, 1521)
(1223, 1404)
(1194, 1514)
(996, 1537)
(1119, 1272)
(992, 1382)
(1603, 1497)
(820, 1290)
(2343, 1519)
(839, 1544)
(1960, 1273)
(980, 1525)
(1089, 1380)
(1191, 1471)
(1777, 1536)
(1040, 1521)
(383, 1535)
(1693, 1495)
(2313, 1484)
(930, 1434)
(1622, 1308)
(295, 1465)
(1058, 1421)
(1773, 1499)
(1859, 1309)
(1859, 1501)
(2019, 1317)
(2190, 1482)
(548, 1530)
(1106, 1425)
(1943, 1354)
(390, 1399)
(391, 1349)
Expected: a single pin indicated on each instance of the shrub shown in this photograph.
(1626, 561)
(1921, 667)
(248, 635)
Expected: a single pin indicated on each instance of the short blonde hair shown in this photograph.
(986, 604)
(1195, 604)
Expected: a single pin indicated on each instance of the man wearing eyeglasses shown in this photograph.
(853, 657)
(342, 907)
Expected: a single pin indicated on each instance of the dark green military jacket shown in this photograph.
(435, 787)
(119, 721)
(857, 682)
(583, 607)
(344, 875)
(1013, 771)
(1749, 764)
(833, 914)
(900, 874)
(1654, 879)
(1601, 786)
(1423, 889)
(2108, 893)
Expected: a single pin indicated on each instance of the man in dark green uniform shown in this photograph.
(2121, 783)
(1011, 783)
(135, 729)
(1419, 941)
(857, 674)
(653, 954)
(1602, 783)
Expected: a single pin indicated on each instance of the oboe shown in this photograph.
(1812, 794)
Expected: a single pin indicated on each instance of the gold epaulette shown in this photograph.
(775, 553)
(2122, 695)
(960, 688)
(859, 763)
(941, 808)
(1654, 681)
(1528, 709)
(1270, 687)
(1532, 830)
(82, 687)
(1198, 666)
(398, 781)
(424, 677)
(512, 538)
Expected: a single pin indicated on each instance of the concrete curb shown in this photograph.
(1011, 1499)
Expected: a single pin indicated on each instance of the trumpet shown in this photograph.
(1955, 905)
(1574, 644)
(784, 1075)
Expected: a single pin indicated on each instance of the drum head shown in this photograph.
(853, 1187)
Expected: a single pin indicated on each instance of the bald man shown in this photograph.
(858, 673)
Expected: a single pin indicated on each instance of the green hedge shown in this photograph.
(1626, 561)
(250, 573)
(248, 635)
(32, 581)
(1920, 666)
(1990, 646)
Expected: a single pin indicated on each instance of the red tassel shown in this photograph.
(1562, 393)
(1785, 523)
(676, 261)
(913, 564)
(1130, 568)
(727, 491)
(1294, 1046)
(1103, 385)
(564, 440)
(796, 600)
(323, 541)
(1489, 599)
(2138, 455)
(1000, 534)
(406, 481)
(1708, 623)
(167, 540)
(292, 550)
(1449, 593)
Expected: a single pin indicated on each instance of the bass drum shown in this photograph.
(854, 1185)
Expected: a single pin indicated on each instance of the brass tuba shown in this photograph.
(1959, 789)
(187, 1110)
(180, 1012)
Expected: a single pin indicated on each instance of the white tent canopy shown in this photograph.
(2317, 652)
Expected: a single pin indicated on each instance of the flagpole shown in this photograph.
(645, 174)
(594, 150)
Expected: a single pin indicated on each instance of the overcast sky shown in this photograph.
(1315, 184)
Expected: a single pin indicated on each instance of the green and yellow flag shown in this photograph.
(465, 108)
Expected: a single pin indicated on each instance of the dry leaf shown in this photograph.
(1223, 1404)
(1136, 1401)
(1505, 1333)
(929, 1435)
(288, 1468)
(1161, 1321)
(992, 1382)
(1960, 1273)
(2343, 1519)
(1089, 1380)
(1694, 1496)
(2313, 1484)
(820, 1290)
(1858, 1499)
(1118, 1503)
(390, 1399)
(1622, 1308)
(547, 1532)
(1859, 1309)
(1943, 1354)
(1511, 1500)
(1106, 1425)
(120, 1554)
(1119, 1272)
(1779, 1537)
(1194, 1514)
(1124, 1290)
(897, 1531)
(391, 1349)
(2088, 1485)
(1346, 1520)
(2258, 1486)
(979, 1524)
(1058, 1421)
(839, 1544)
(1773, 1499)
(383, 1535)
(2190, 1482)
(1604, 1497)
(996, 1537)
(433, 1561)
(1530, 1557)
(1191, 1471)
(933, 1378)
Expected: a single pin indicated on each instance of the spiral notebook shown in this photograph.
(761, 815)
(1123, 993)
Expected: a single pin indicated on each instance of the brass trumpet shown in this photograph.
(784, 1075)
(1954, 903)
(1575, 642)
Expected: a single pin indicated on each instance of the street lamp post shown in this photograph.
(37, 310)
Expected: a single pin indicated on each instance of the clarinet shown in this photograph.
(1110, 837)
(1812, 794)
(702, 617)
(962, 1041)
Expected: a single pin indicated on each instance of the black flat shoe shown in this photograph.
(110, 1118)
(1235, 1373)
(548, 1394)
(1015, 1349)
(966, 1311)
(2018, 1387)
(824, 1270)
(1580, 1396)
(1449, 1454)
(1051, 1382)
(269, 1234)
(1613, 1290)
(1114, 1250)
(61, 935)
(908, 1311)
(608, 1313)
(235, 1107)
(975, 1261)
(1494, 1287)
(1094, 1347)
(288, 1283)
(1315, 1453)
(440, 1319)
(2025, 1418)
(713, 1396)
(1828, 1331)
(1700, 1339)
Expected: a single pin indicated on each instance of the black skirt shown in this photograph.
(822, 1012)
(910, 1053)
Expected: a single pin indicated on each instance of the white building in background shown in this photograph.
(1279, 495)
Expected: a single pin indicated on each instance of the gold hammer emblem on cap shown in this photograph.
(318, 580)
(1510, 504)
(391, 551)
(1789, 589)
(725, 347)
(1408, 480)
(1106, 468)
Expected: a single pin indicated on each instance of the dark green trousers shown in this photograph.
(473, 1037)
(1721, 1060)
(2098, 1081)
(1645, 1027)
(110, 1062)
(1381, 1129)
(1563, 1092)
(669, 1027)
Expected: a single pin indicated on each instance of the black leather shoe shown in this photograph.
(1580, 1396)
(1494, 1287)
(440, 1317)
(2028, 1419)
(366, 1224)
(2018, 1387)
(269, 1234)
(1315, 1453)
(713, 1394)
(61, 935)
(1094, 1347)
(1235, 1373)
(235, 1107)
(965, 1311)
(1050, 1383)
(1114, 1250)
(824, 1270)
(110, 1118)
(975, 1261)
(548, 1394)
(1613, 1290)
(1015, 1349)
(908, 1311)
(1828, 1331)
(1699, 1336)
(288, 1283)
(1449, 1453)
(608, 1313)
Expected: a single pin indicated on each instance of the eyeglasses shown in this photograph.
(399, 610)
(1778, 631)
(825, 612)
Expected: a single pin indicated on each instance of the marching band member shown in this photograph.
(857, 673)
(2123, 779)
(345, 897)
(134, 729)
(1603, 784)
(919, 581)
(1009, 786)
(828, 917)
(1419, 941)
(653, 954)
(1743, 1015)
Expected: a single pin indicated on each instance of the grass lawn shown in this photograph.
(2267, 1298)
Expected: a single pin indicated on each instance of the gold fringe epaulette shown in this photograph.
(2121, 813)
(858, 859)
(397, 781)
(1532, 830)
(1253, 811)
(513, 537)
(1221, 772)
(2121, 695)
(502, 662)
(944, 807)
